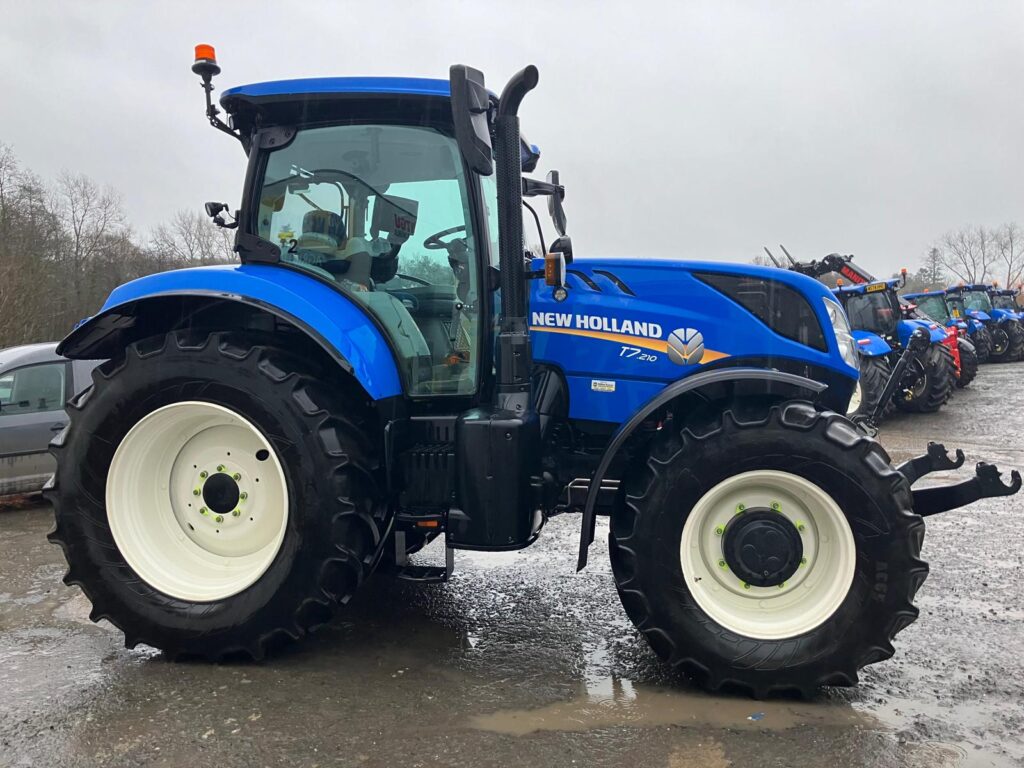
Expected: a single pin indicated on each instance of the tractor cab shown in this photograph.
(1005, 299)
(873, 307)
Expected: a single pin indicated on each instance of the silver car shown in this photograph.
(35, 382)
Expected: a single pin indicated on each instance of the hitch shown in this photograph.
(984, 485)
(936, 460)
(917, 344)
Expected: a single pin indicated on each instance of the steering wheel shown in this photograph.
(413, 279)
(434, 242)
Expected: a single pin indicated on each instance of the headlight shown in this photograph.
(841, 327)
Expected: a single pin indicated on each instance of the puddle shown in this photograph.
(609, 700)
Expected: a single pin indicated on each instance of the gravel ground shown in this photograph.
(519, 660)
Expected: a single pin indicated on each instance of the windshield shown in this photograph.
(873, 312)
(978, 300)
(934, 307)
(1004, 301)
(382, 211)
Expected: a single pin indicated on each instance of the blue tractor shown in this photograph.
(386, 365)
(1003, 324)
(976, 322)
(935, 307)
(915, 377)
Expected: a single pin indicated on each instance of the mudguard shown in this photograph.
(692, 383)
(977, 314)
(337, 323)
(1002, 315)
(906, 327)
(871, 344)
(973, 326)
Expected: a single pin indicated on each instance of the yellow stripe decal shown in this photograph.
(657, 345)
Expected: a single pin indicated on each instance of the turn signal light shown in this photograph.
(839, 282)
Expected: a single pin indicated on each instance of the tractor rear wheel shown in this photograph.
(968, 362)
(768, 549)
(1016, 333)
(874, 375)
(215, 495)
(934, 384)
(1002, 343)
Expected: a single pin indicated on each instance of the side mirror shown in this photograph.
(214, 211)
(555, 208)
(470, 105)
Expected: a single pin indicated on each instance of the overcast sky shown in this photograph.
(682, 129)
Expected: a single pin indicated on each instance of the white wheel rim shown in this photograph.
(855, 399)
(158, 501)
(804, 601)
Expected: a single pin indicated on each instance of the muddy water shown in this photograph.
(521, 661)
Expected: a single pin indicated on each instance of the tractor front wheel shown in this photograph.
(982, 341)
(968, 362)
(215, 495)
(767, 549)
(934, 383)
(874, 375)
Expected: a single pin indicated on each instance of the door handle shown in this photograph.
(58, 426)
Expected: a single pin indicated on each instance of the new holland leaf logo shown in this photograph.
(685, 346)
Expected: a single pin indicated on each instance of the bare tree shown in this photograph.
(1009, 243)
(190, 239)
(969, 253)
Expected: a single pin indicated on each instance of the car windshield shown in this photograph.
(978, 300)
(383, 212)
(934, 307)
(872, 312)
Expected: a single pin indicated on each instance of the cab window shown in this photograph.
(382, 211)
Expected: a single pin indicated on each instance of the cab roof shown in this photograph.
(320, 86)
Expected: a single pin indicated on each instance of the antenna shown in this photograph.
(774, 260)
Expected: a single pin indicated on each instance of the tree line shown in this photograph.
(65, 245)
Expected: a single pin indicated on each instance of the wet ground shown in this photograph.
(521, 661)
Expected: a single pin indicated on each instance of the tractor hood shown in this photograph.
(658, 320)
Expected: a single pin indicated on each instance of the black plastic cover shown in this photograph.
(498, 463)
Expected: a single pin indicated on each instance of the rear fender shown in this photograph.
(779, 382)
(164, 301)
(871, 344)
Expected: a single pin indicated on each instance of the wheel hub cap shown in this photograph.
(762, 547)
(221, 493)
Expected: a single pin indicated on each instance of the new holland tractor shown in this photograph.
(934, 306)
(386, 366)
(1003, 325)
(903, 361)
(977, 330)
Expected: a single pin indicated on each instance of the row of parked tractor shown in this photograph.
(917, 348)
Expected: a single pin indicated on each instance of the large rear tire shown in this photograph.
(934, 386)
(968, 362)
(216, 495)
(781, 472)
(1005, 343)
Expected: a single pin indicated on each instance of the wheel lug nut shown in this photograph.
(803, 561)
(776, 506)
(236, 513)
(722, 564)
(204, 474)
(243, 495)
(746, 585)
(719, 530)
(740, 508)
(236, 477)
(220, 467)
(203, 511)
(219, 518)
(782, 585)
(196, 491)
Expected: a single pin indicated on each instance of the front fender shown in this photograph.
(977, 314)
(935, 332)
(1003, 315)
(871, 344)
(337, 323)
(796, 384)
